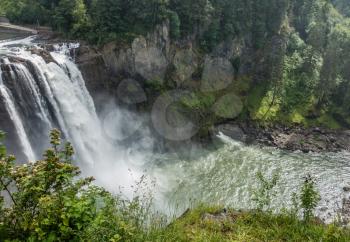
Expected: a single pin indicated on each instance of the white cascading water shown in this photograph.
(52, 94)
(15, 118)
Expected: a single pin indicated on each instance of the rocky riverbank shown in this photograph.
(292, 138)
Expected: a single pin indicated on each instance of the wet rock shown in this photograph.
(47, 47)
(93, 69)
(130, 92)
(323, 209)
(298, 138)
(44, 54)
(231, 130)
(118, 59)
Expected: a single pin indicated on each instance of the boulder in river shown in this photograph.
(231, 130)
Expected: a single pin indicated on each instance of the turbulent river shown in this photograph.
(37, 95)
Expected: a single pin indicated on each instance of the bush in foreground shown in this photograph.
(49, 201)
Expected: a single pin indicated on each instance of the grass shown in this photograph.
(247, 226)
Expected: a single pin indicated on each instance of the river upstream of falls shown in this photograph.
(37, 95)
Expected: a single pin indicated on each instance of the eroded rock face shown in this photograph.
(150, 62)
(155, 58)
(136, 72)
(145, 59)
(130, 92)
(218, 74)
(185, 64)
(93, 68)
(118, 60)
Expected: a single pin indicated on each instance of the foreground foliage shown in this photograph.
(49, 201)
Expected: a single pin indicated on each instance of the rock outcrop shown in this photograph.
(217, 75)
(8, 30)
(93, 67)
(288, 138)
(185, 64)
(155, 59)
(149, 61)
(138, 72)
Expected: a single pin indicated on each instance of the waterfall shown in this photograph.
(15, 118)
(41, 94)
(44, 90)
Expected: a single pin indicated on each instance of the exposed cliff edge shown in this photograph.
(157, 60)
(229, 84)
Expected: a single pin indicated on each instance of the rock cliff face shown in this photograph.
(138, 72)
(93, 67)
(142, 71)
(155, 59)
(145, 59)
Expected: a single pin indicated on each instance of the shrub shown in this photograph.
(50, 201)
(265, 192)
(309, 197)
(47, 199)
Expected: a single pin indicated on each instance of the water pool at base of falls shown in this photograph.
(37, 96)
